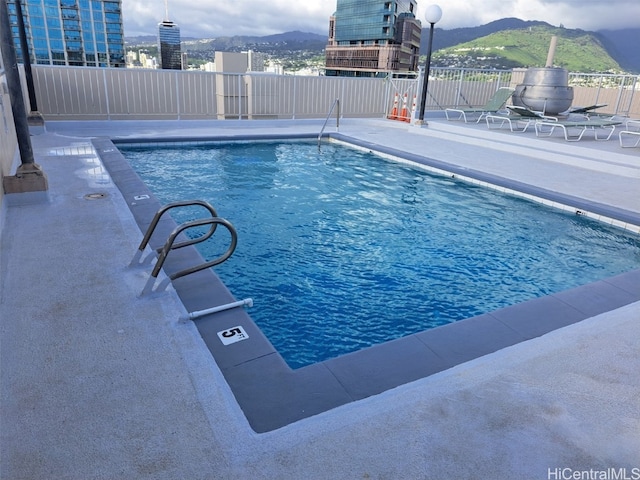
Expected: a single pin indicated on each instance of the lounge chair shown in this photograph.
(495, 103)
(590, 112)
(586, 110)
(630, 133)
(519, 119)
(546, 128)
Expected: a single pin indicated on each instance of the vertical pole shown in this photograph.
(425, 81)
(15, 89)
(26, 59)
(29, 177)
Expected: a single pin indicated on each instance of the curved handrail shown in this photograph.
(335, 102)
(168, 246)
(158, 216)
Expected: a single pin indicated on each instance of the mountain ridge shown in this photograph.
(620, 45)
(576, 50)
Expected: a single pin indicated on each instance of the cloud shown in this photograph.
(216, 18)
(204, 18)
(585, 14)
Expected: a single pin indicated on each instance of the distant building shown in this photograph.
(231, 62)
(84, 33)
(255, 61)
(169, 46)
(369, 38)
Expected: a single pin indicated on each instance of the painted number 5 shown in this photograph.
(232, 335)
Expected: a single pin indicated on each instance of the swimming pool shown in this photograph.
(380, 249)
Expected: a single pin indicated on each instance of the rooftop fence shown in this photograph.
(84, 93)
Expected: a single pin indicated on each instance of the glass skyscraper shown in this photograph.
(71, 32)
(169, 46)
(373, 38)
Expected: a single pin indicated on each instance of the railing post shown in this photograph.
(295, 96)
(634, 83)
(387, 99)
(341, 95)
(106, 92)
(240, 92)
(459, 89)
(598, 90)
(620, 92)
(177, 81)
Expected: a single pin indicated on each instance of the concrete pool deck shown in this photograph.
(98, 383)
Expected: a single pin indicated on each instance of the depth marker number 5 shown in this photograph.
(233, 335)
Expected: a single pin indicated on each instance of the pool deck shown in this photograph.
(97, 382)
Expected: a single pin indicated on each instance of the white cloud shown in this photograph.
(215, 18)
(585, 14)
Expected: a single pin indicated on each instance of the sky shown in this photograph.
(222, 18)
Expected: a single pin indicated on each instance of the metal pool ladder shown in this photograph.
(336, 102)
(161, 253)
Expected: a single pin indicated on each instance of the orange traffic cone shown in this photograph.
(404, 116)
(413, 110)
(394, 111)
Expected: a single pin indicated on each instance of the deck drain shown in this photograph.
(95, 196)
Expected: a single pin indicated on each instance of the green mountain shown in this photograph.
(577, 50)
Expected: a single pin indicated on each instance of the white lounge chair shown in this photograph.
(631, 124)
(519, 119)
(546, 128)
(493, 105)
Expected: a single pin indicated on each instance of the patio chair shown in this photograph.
(495, 103)
(545, 128)
(631, 124)
(590, 112)
(586, 110)
(519, 119)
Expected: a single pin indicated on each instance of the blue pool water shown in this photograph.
(341, 249)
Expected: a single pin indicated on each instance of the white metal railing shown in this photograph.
(621, 93)
(79, 93)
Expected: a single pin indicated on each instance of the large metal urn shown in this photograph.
(544, 90)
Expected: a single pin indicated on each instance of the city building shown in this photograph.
(86, 33)
(169, 52)
(369, 38)
(141, 59)
(232, 62)
(169, 46)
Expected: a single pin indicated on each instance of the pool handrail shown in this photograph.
(336, 102)
(169, 245)
(154, 223)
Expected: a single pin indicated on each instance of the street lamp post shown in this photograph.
(432, 16)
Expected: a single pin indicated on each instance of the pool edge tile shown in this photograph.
(272, 396)
(375, 369)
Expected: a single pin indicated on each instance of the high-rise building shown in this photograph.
(369, 38)
(169, 43)
(84, 33)
(169, 46)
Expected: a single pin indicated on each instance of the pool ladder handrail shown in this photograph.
(154, 223)
(336, 102)
(161, 253)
